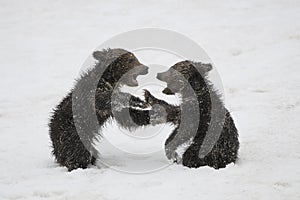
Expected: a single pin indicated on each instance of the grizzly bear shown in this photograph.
(222, 146)
(72, 134)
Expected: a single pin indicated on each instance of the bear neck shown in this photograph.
(201, 88)
(206, 98)
(211, 108)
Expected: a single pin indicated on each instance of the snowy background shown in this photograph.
(255, 46)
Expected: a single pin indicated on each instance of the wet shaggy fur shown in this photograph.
(78, 119)
(225, 150)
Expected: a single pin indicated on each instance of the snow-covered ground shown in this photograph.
(255, 46)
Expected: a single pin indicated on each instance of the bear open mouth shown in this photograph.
(168, 91)
(131, 79)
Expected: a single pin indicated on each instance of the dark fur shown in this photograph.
(225, 150)
(93, 94)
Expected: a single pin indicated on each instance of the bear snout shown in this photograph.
(163, 76)
(144, 70)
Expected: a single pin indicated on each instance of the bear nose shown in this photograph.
(145, 70)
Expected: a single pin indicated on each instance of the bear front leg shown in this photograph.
(161, 111)
(137, 102)
(130, 111)
(122, 100)
(170, 147)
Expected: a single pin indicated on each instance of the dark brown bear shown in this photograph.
(72, 134)
(179, 78)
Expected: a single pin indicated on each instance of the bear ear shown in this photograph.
(203, 67)
(99, 55)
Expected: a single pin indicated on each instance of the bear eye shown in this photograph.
(130, 60)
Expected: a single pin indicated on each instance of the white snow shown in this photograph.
(255, 46)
